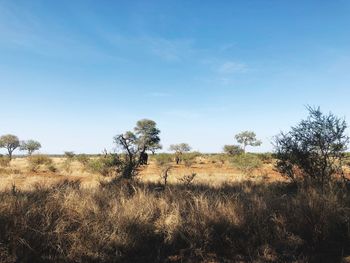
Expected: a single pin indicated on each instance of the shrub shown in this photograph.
(164, 174)
(163, 159)
(233, 149)
(38, 160)
(265, 157)
(188, 179)
(247, 163)
(314, 148)
(219, 159)
(106, 165)
(52, 168)
(66, 165)
(190, 158)
(83, 159)
(69, 155)
(4, 161)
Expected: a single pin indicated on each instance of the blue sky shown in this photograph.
(75, 73)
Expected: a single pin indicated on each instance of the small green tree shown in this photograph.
(9, 142)
(30, 146)
(315, 148)
(247, 138)
(233, 149)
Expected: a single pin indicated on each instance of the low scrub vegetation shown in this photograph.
(266, 158)
(106, 165)
(4, 161)
(39, 161)
(162, 159)
(84, 159)
(190, 158)
(246, 163)
(133, 222)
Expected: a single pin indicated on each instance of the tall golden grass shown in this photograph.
(141, 222)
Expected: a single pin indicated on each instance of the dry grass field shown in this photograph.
(207, 169)
(70, 214)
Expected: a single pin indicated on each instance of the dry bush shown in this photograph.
(266, 158)
(164, 173)
(190, 158)
(219, 159)
(133, 222)
(83, 159)
(187, 179)
(69, 155)
(38, 161)
(4, 161)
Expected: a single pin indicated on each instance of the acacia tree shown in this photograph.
(179, 149)
(147, 135)
(30, 146)
(155, 147)
(247, 138)
(9, 142)
(135, 144)
(314, 148)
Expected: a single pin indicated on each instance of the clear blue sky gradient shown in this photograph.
(75, 73)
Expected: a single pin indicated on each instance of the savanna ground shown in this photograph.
(209, 169)
(64, 212)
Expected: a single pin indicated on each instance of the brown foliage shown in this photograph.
(133, 222)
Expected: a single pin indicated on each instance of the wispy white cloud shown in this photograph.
(224, 72)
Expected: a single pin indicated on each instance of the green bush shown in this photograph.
(313, 149)
(246, 163)
(105, 165)
(163, 158)
(232, 149)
